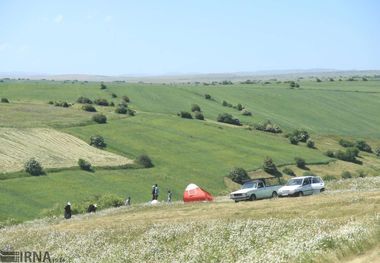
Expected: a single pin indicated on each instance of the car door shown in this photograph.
(316, 184)
(260, 192)
(306, 186)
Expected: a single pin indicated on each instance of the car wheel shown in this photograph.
(252, 198)
(300, 194)
(322, 190)
(274, 195)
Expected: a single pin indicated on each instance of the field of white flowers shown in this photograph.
(322, 228)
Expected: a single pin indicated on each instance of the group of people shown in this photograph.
(92, 207)
(156, 192)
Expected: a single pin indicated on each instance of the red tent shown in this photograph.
(194, 193)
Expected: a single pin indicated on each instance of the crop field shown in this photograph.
(330, 227)
(52, 149)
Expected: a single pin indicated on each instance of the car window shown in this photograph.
(294, 182)
(306, 181)
(248, 185)
(261, 185)
(316, 180)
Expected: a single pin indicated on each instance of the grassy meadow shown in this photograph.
(183, 151)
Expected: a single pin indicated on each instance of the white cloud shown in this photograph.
(4, 46)
(58, 19)
(108, 19)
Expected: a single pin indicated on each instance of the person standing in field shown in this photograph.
(68, 211)
(153, 191)
(169, 196)
(128, 201)
(156, 192)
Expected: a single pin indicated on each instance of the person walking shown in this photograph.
(68, 211)
(169, 196)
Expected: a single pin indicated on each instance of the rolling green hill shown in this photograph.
(183, 151)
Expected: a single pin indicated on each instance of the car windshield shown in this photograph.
(248, 185)
(294, 182)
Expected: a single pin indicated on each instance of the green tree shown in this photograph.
(33, 167)
(238, 175)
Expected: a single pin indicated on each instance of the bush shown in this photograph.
(112, 104)
(224, 103)
(346, 143)
(50, 102)
(195, 107)
(329, 153)
(33, 167)
(84, 100)
(310, 143)
(269, 166)
(99, 118)
(377, 152)
(239, 107)
(207, 96)
(288, 171)
(145, 161)
(101, 102)
(4, 100)
(63, 104)
(346, 175)
(293, 140)
(300, 135)
(318, 80)
(97, 141)
(113, 95)
(88, 107)
(362, 174)
(103, 86)
(363, 146)
(227, 118)
(84, 165)
(328, 178)
(109, 200)
(185, 115)
(121, 110)
(238, 175)
(268, 126)
(126, 99)
(199, 116)
(301, 163)
(349, 155)
(246, 112)
(131, 112)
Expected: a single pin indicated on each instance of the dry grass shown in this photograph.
(51, 148)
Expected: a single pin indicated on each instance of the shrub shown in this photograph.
(97, 141)
(99, 118)
(84, 165)
(113, 95)
(121, 109)
(199, 116)
(318, 80)
(50, 102)
(268, 126)
(207, 96)
(246, 112)
(310, 143)
(126, 99)
(328, 178)
(238, 175)
(363, 146)
(131, 112)
(185, 115)
(227, 118)
(362, 174)
(301, 163)
(84, 100)
(288, 171)
(329, 153)
(346, 143)
(112, 104)
(101, 102)
(224, 103)
(4, 100)
(239, 107)
(364, 79)
(88, 107)
(103, 86)
(300, 135)
(33, 167)
(145, 161)
(349, 155)
(195, 107)
(269, 166)
(346, 175)
(110, 200)
(377, 152)
(293, 140)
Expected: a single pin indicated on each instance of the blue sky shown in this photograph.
(205, 36)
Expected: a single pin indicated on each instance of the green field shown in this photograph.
(183, 151)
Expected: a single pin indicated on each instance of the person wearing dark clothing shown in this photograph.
(153, 191)
(156, 192)
(91, 208)
(68, 211)
(128, 201)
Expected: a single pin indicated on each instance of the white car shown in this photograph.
(304, 185)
